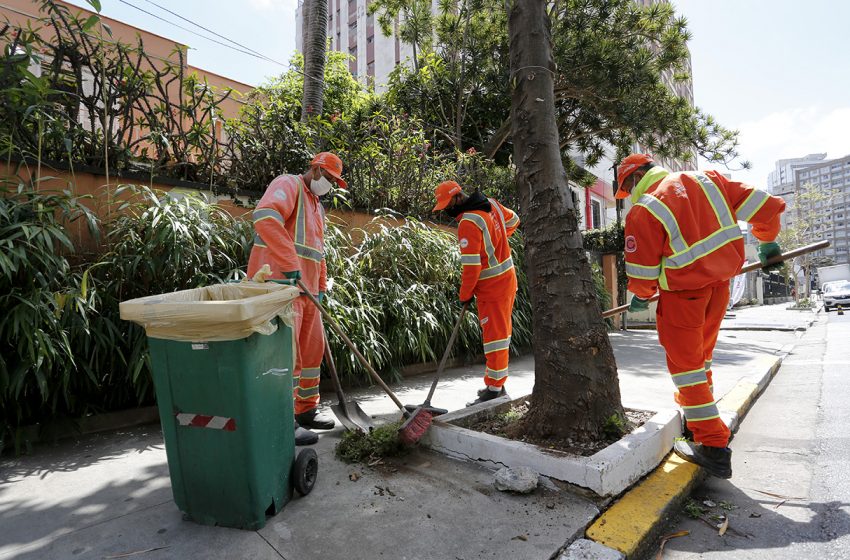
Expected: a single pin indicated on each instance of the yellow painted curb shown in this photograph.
(738, 400)
(625, 525)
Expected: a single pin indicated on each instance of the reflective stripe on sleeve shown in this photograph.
(267, 213)
(751, 205)
(643, 272)
(469, 260)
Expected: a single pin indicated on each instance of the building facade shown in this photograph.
(352, 30)
(832, 213)
(683, 88)
(780, 181)
(160, 50)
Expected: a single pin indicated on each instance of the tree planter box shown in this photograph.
(606, 473)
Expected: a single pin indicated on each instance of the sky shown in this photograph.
(776, 70)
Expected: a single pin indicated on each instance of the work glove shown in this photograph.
(638, 304)
(293, 275)
(767, 251)
(321, 297)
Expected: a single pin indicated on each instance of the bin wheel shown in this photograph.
(305, 470)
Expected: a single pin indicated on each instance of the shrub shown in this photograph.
(46, 308)
(65, 351)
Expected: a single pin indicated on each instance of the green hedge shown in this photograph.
(67, 354)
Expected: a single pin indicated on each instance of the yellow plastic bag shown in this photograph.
(213, 313)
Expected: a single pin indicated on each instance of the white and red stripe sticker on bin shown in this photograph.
(204, 421)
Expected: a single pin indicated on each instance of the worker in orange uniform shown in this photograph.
(683, 238)
(484, 227)
(289, 223)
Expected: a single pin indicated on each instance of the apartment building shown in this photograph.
(160, 50)
(780, 181)
(832, 222)
(352, 30)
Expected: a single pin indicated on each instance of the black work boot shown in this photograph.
(303, 436)
(716, 460)
(314, 419)
(486, 394)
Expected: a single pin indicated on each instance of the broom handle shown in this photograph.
(747, 268)
(363, 361)
(446, 354)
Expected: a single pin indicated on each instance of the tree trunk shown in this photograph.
(576, 389)
(315, 44)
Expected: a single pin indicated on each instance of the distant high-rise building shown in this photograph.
(780, 181)
(352, 30)
(683, 88)
(831, 215)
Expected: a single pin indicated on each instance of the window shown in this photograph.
(596, 213)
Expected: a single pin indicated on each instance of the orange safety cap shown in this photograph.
(332, 164)
(627, 167)
(444, 193)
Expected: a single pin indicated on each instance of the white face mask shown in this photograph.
(320, 186)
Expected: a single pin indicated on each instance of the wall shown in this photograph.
(95, 186)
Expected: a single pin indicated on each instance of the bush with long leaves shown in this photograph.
(45, 307)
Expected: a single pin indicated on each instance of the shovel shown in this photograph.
(349, 412)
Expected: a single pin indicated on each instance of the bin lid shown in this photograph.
(212, 313)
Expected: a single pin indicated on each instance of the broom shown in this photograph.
(425, 409)
(416, 424)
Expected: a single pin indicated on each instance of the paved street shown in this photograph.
(789, 497)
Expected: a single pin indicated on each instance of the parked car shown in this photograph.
(835, 294)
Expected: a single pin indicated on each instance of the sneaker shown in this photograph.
(314, 419)
(486, 394)
(303, 436)
(716, 460)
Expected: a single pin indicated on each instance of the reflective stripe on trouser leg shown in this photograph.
(681, 318)
(310, 345)
(717, 306)
(495, 319)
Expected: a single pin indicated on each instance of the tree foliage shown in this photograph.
(612, 61)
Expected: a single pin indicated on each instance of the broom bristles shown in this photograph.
(415, 427)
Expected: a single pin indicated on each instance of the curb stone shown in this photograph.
(632, 524)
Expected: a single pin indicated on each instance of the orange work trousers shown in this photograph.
(495, 319)
(688, 324)
(309, 351)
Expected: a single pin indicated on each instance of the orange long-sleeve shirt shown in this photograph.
(485, 253)
(289, 222)
(683, 231)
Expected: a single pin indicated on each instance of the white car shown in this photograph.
(835, 294)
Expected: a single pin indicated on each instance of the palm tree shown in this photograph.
(315, 14)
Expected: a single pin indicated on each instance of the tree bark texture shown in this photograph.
(315, 43)
(576, 388)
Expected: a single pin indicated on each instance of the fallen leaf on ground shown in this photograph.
(709, 503)
(754, 514)
(520, 538)
(723, 527)
(666, 538)
(354, 477)
(779, 504)
(128, 554)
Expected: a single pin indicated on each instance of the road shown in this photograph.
(789, 496)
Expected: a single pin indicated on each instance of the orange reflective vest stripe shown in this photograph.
(289, 232)
(485, 254)
(683, 231)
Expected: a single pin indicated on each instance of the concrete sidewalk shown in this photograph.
(107, 495)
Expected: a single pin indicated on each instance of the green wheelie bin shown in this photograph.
(222, 359)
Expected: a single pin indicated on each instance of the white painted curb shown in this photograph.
(606, 473)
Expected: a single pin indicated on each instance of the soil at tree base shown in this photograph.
(498, 426)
